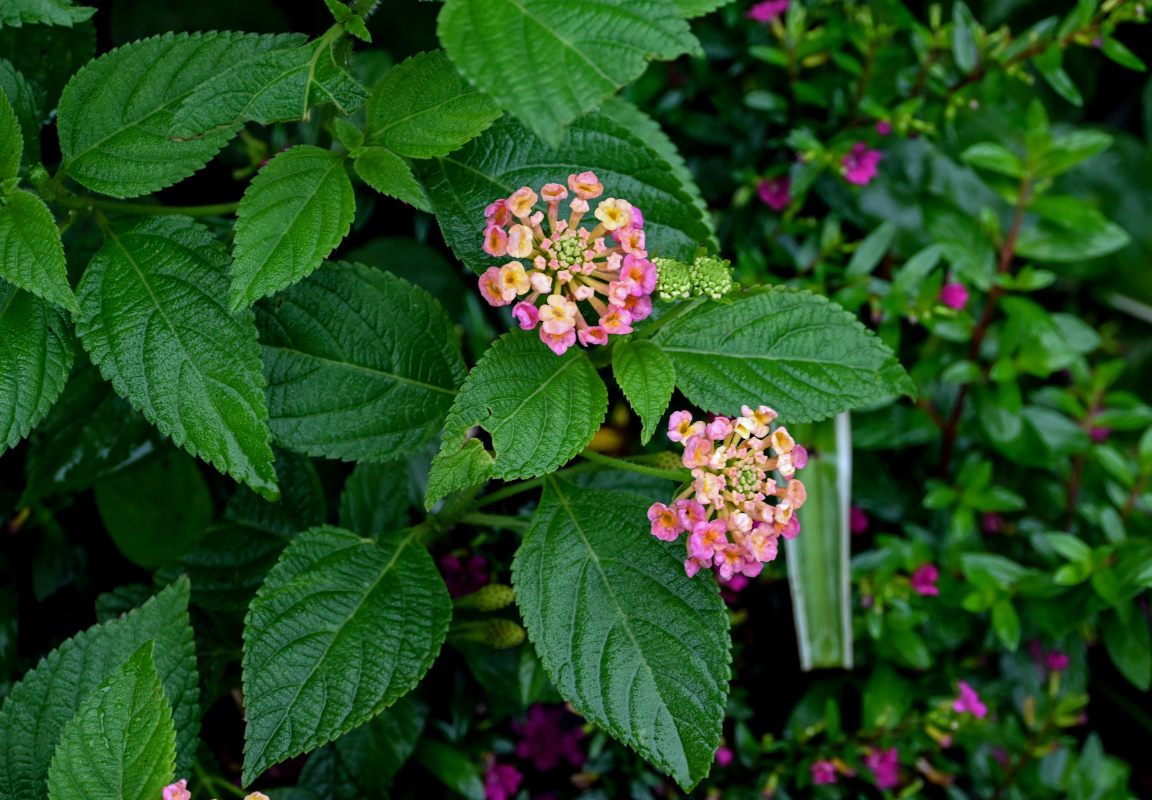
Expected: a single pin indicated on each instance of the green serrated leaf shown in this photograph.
(17, 13)
(36, 353)
(647, 129)
(116, 114)
(469, 466)
(375, 498)
(362, 763)
(11, 140)
(647, 376)
(698, 8)
(360, 364)
(506, 157)
(121, 744)
(341, 629)
(273, 86)
(635, 645)
(389, 174)
(293, 214)
(423, 108)
(23, 101)
(162, 494)
(548, 61)
(541, 409)
(31, 253)
(41, 704)
(153, 317)
(795, 351)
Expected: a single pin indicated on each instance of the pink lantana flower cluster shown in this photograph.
(607, 267)
(179, 791)
(733, 512)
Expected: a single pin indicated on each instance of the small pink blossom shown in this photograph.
(495, 241)
(526, 314)
(724, 756)
(593, 334)
(799, 456)
(639, 307)
(885, 766)
(498, 213)
(491, 288)
(924, 580)
(730, 589)
(954, 295)
(177, 791)
(767, 11)
(775, 192)
(680, 426)
(691, 514)
(708, 539)
(883, 127)
(558, 342)
(859, 165)
(969, 701)
(617, 321)
(586, 185)
(1099, 434)
(697, 449)
(857, 520)
(823, 772)
(719, 428)
(1056, 660)
(501, 781)
(665, 521)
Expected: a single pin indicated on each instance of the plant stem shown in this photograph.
(631, 466)
(68, 199)
(494, 520)
(680, 310)
(1007, 252)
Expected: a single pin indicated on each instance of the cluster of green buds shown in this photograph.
(706, 276)
(497, 632)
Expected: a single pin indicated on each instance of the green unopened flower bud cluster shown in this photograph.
(705, 277)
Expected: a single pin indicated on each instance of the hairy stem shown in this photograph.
(620, 463)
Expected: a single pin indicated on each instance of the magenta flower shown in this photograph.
(565, 273)
(823, 772)
(859, 165)
(991, 522)
(733, 511)
(969, 701)
(464, 575)
(767, 11)
(885, 766)
(177, 791)
(924, 579)
(1056, 660)
(501, 781)
(954, 295)
(1099, 434)
(730, 589)
(724, 756)
(883, 127)
(857, 520)
(775, 192)
(549, 735)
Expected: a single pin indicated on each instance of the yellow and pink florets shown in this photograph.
(733, 511)
(606, 268)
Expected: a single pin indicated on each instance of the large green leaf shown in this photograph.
(19, 92)
(635, 645)
(647, 377)
(795, 351)
(121, 744)
(11, 138)
(360, 364)
(389, 174)
(116, 113)
(17, 13)
(506, 157)
(424, 107)
(361, 763)
(157, 510)
(31, 254)
(540, 409)
(155, 320)
(341, 629)
(39, 706)
(294, 213)
(36, 352)
(549, 61)
(274, 86)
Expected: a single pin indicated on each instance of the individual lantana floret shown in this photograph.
(569, 271)
(733, 512)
